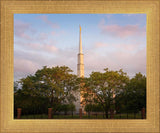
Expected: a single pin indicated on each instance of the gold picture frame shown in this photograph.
(10, 125)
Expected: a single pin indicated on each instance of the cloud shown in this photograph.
(53, 33)
(45, 19)
(100, 45)
(42, 36)
(26, 32)
(41, 47)
(49, 48)
(58, 33)
(123, 47)
(28, 62)
(36, 60)
(130, 57)
(41, 50)
(121, 31)
(20, 29)
(131, 63)
(128, 62)
(37, 46)
(122, 56)
(24, 67)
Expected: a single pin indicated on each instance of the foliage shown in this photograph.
(101, 88)
(15, 86)
(93, 108)
(30, 104)
(102, 92)
(133, 98)
(56, 85)
(66, 108)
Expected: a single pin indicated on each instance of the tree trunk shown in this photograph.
(89, 114)
(106, 114)
(53, 109)
(51, 103)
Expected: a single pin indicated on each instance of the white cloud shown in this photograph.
(121, 31)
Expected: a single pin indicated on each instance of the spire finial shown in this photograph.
(80, 27)
(80, 40)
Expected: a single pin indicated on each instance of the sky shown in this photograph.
(114, 41)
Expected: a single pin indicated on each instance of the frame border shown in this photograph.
(9, 7)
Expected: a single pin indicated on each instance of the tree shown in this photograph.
(66, 108)
(30, 104)
(102, 88)
(15, 86)
(57, 84)
(93, 108)
(133, 98)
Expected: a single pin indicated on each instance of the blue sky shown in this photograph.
(109, 40)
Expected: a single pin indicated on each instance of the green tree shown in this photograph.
(66, 108)
(57, 84)
(88, 108)
(93, 108)
(133, 98)
(102, 88)
(15, 86)
(30, 104)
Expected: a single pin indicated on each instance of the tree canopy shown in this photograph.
(134, 95)
(56, 87)
(57, 84)
(102, 88)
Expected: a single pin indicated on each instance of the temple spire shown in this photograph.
(80, 40)
(80, 65)
(80, 71)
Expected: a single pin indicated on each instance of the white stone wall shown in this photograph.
(77, 103)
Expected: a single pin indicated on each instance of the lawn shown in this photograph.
(116, 116)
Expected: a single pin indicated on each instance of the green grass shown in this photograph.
(116, 116)
(37, 116)
(130, 116)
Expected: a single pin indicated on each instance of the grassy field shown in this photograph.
(116, 116)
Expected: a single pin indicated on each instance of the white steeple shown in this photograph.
(80, 40)
(80, 65)
(80, 72)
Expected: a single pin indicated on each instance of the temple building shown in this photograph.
(80, 72)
